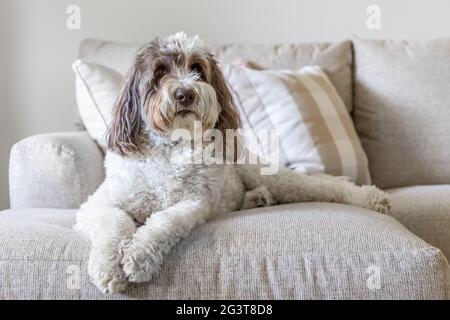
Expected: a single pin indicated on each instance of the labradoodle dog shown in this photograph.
(150, 198)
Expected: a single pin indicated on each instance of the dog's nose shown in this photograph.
(185, 96)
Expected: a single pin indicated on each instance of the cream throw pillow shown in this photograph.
(97, 88)
(315, 130)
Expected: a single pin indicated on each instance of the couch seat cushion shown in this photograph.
(425, 211)
(297, 251)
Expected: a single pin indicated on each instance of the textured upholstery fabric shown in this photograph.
(58, 170)
(314, 130)
(334, 58)
(304, 251)
(425, 211)
(402, 110)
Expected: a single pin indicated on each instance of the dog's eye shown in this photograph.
(197, 68)
(160, 71)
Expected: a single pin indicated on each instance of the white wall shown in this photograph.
(36, 49)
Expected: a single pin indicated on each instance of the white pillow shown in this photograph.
(316, 132)
(97, 88)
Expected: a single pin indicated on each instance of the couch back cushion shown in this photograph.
(333, 58)
(402, 110)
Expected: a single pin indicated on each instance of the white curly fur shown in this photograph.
(147, 203)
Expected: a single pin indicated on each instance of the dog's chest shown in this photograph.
(154, 184)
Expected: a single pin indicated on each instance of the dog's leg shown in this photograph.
(144, 254)
(107, 227)
(288, 186)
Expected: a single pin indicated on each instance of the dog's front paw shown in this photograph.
(376, 199)
(106, 275)
(256, 198)
(140, 263)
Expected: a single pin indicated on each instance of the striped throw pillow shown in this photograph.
(316, 133)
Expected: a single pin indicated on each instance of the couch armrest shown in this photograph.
(56, 170)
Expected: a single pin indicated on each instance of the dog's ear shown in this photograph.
(124, 134)
(229, 115)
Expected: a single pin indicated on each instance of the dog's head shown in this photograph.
(174, 81)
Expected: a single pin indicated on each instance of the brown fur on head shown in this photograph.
(173, 82)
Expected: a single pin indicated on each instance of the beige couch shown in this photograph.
(297, 251)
